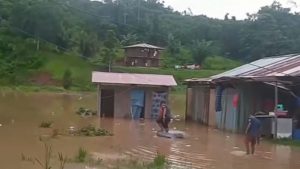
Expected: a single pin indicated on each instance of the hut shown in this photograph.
(200, 101)
(122, 95)
(266, 87)
(143, 55)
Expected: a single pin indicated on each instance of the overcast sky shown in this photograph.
(218, 8)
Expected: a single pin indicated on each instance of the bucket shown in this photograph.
(296, 134)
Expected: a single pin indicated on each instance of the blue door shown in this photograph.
(137, 103)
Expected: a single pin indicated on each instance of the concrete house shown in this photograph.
(122, 95)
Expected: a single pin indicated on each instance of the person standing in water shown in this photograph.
(252, 134)
(164, 117)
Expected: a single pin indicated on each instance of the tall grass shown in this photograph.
(82, 155)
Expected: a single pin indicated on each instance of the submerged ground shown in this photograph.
(22, 113)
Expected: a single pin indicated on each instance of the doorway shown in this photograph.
(107, 103)
(137, 104)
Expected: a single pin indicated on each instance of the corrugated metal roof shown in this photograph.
(144, 45)
(133, 79)
(273, 66)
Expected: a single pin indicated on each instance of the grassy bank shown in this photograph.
(286, 142)
(56, 64)
(180, 75)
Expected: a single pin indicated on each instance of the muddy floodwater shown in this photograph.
(22, 113)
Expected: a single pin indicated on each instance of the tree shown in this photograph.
(201, 50)
(110, 47)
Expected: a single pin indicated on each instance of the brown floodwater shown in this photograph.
(22, 113)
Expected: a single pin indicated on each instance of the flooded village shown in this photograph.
(149, 84)
(213, 121)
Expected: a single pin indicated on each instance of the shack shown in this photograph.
(143, 55)
(200, 101)
(266, 87)
(126, 95)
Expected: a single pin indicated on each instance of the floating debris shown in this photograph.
(0, 125)
(83, 112)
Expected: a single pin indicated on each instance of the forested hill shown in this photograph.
(95, 30)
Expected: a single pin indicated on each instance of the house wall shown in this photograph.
(122, 102)
(212, 109)
(142, 57)
(142, 62)
(198, 104)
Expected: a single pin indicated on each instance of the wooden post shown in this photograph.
(98, 100)
(276, 109)
(186, 102)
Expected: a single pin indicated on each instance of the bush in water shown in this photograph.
(92, 131)
(46, 124)
(82, 155)
(67, 79)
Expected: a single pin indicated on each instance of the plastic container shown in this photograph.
(296, 134)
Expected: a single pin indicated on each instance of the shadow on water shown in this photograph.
(21, 114)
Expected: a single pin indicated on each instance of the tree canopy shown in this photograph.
(94, 29)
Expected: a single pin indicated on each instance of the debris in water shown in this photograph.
(153, 129)
(0, 125)
(235, 147)
(175, 128)
(238, 153)
(80, 98)
(188, 145)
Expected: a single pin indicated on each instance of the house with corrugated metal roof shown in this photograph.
(128, 95)
(143, 55)
(267, 87)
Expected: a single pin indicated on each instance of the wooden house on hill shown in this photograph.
(143, 55)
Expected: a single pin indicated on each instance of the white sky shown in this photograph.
(218, 8)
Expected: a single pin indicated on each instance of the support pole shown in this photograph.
(276, 109)
(186, 102)
(98, 100)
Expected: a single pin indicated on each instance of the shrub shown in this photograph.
(220, 63)
(67, 79)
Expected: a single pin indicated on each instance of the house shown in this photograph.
(267, 87)
(122, 95)
(143, 55)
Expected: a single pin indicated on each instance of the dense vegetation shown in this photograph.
(94, 31)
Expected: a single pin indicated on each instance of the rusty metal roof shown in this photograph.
(133, 79)
(286, 65)
(144, 45)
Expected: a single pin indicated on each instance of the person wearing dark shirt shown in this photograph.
(252, 134)
(164, 117)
